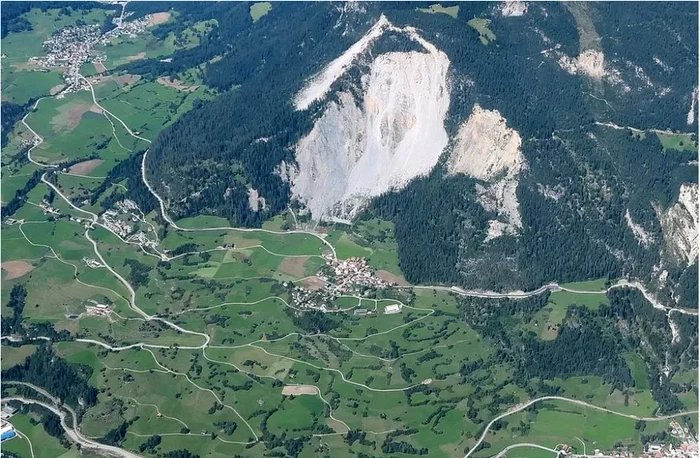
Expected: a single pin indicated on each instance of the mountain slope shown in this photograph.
(357, 151)
(544, 153)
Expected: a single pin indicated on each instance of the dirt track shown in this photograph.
(297, 390)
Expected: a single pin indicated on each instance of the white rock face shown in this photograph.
(319, 84)
(691, 113)
(642, 236)
(667, 68)
(511, 9)
(359, 150)
(680, 226)
(255, 202)
(487, 149)
(590, 62)
(485, 145)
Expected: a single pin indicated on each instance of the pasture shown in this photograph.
(437, 8)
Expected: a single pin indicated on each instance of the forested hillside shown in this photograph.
(584, 86)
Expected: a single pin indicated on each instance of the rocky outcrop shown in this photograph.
(487, 149)
(680, 227)
(512, 8)
(319, 85)
(359, 149)
(643, 237)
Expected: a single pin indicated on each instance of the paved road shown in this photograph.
(554, 287)
(72, 432)
(74, 435)
(523, 406)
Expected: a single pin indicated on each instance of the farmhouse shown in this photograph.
(7, 411)
(7, 431)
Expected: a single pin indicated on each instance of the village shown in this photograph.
(71, 47)
(125, 220)
(338, 278)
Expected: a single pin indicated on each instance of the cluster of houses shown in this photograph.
(110, 219)
(351, 275)
(7, 431)
(339, 278)
(321, 300)
(126, 206)
(27, 143)
(48, 209)
(71, 47)
(97, 309)
(124, 219)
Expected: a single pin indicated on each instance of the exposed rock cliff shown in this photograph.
(360, 149)
(487, 149)
(680, 227)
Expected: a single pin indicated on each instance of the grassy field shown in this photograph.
(260, 9)
(43, 445)
(680, 142)
(12, 356)
(561, 423)
(439, 9)
(72, 128)
(424, 371)
(547, 321)
(481, 25)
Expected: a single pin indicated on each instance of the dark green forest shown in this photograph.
(210, 154)
(210, 157)
(68, 382)
(589, 342)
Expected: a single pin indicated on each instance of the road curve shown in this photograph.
(503, 452)
(527, 404)
(167, 218)
(73, 432)
(75, 436)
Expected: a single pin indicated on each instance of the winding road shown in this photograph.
(73, 431)
(527, 404)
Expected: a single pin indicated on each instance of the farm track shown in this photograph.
(527, 404)
(115, 451)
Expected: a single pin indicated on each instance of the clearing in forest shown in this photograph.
(125, 80)
(437, 8)
(176, 84)
(139, 56)
(680, 142)
(158, 18)
(481, 25)
(260, 9)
